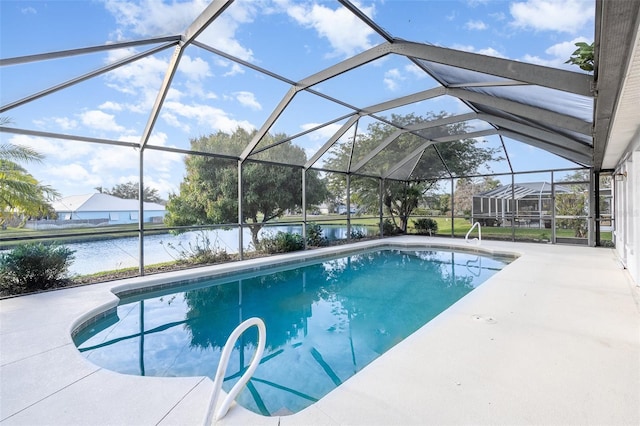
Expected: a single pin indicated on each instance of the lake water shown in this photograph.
(107, 255)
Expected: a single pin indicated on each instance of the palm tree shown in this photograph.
(21, 195)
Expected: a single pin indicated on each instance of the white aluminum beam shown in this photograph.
(571, 155)
(62, 136)
(405, 160)
(414, 127)
(554, 78)
(82, 78)
(346, 65)
(162, 94)
(470, 135)
(536, 133)
(211, 12)
(288, 97)
(527, 111)
(328, 144)
(172, 40)
(405, 100)
(208, 15)
(443, 139)
(337, 69)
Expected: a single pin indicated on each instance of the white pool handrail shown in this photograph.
(222, 368)
(477, 240)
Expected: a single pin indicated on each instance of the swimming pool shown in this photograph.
(325, 321)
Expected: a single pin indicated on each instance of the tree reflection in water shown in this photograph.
(324, 321)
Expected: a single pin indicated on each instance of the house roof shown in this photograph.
(521, 190)
(100, 202)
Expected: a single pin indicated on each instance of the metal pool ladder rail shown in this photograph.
(477, 240)
(222, 367)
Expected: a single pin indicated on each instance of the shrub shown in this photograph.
(201, 251)
(282, 242)
(357, 234)
(314, 235)
(34, 266)
(389, 228)
(426, 226)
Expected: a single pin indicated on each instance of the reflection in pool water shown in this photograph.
(325, 322)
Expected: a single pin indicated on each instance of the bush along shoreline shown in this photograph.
(37, 267)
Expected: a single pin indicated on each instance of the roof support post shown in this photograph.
(240, 218)
(141, 213)
(348, 206)
(380, 208)
(304, 207)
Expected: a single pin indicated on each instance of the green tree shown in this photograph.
(583, 56)
(21, 194)
(209, 191)
(129, 191)
(574, 203)
(461, 157)
(466, 188)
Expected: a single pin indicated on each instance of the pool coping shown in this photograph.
(44, 379)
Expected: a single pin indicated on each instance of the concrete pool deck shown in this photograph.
(554, 338)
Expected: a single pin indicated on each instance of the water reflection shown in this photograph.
(119, 253)
(324, 321)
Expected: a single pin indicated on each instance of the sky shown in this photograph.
(210, 93)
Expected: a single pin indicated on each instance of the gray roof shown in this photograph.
(100, 203)
(521, 190)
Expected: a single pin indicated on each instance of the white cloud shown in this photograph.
(551, 15)
(392, 77)
(111, 106)
(29, 11)
(222, 33)
(475, 25)
(196, 69)
(99, 120)
(559, 53)
(321, 134)
(173, 120)
(248, 99)
(74, 175)
(488, 51)
(154, 18)
(108, 160)
(415, 71)
(234, 69)
(66, 123)
(213, 118)
(53, 149)
(344, 31)
(565, 49)
(141, 79)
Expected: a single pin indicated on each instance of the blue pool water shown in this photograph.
(325, 321)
